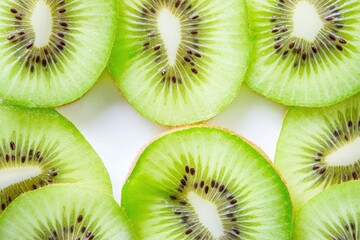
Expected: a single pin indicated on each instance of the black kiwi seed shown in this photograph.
(315, 167)
(80, 218)
(12, 145)
(183, 182)
(194, 70)
(10, 37)
(314, 49)
(339, 47)
(343, 41)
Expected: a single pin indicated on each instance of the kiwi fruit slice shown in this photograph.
(53, 51)
(305, 53)
(319, 147)
(65, 212)
(180, 61)
(39, 147)
(206, 183)
(333, 214)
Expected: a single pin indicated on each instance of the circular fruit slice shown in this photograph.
(206, 183)
(305, 53)
(52, 51)
(333, 214)
(180, 61)
(65, 212)
(39, 147)
(318, 148)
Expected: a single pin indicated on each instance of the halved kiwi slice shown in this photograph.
(206, 183)
(180, 61)
(305, 53)
(39, 147)
(52, 51)
(333, 214)
(65, 212)
(319, 147)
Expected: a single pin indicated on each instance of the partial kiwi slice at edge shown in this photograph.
(319, 147)
(65, 212)
(39, 147)
(332, 214)
(53, 51)
(305, 53)
(206, 183)
(180, 61)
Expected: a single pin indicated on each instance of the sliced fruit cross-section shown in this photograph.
(39, 147)
(53, 51)
(305, 52)
(333, 214)
(180, 61)
(65, 212)
(319, 147)
(206, 183)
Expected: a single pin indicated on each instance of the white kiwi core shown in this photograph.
(13, 175)
(207, 213)
(42, 22)
(307, 21)
(346, 155)
(170, 30)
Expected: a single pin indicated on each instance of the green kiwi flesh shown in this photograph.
(186, 169)
(333, 214)
(39, 147)
(205, 74)
(53, 51)
(318, 148)
(65, 212)
(305, 53)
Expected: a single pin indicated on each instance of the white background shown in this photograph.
(118, 133)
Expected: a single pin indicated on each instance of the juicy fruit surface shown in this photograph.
(53, 51)
(296, 66)
(318, 148)
(333, 214)
(193, 80)
(40, 147)
(64, 212)
(206, 166)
